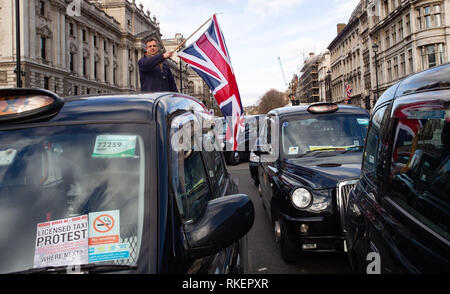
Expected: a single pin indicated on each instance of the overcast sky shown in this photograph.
(257, 32)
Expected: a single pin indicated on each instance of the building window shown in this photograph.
(427, 13)
(84, 66)
(394, 35)
(71, 29)
(419, 19)
(95, 41)
(42, 8)
(410, 61)
(43, 47)
(75, 90)
(389, 70)
(95, 69)
(105, 71)
(400, 30)
(432, 55)
(46, 83)
(429, 17)
(437, 16)
(402, 64)
(396, 73)
(83, 35)
(408, 24)
(388, 42)
(71, 61)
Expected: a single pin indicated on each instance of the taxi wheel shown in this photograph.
(289, 251)
(234, 158)
(244, 265)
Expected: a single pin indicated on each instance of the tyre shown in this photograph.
(234, 157)
(243, 262)
(289, 251)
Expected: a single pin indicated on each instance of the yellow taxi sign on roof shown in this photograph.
(25, 104)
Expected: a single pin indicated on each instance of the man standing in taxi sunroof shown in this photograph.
(154, 72)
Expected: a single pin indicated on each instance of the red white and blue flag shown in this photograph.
(209, 57)
(348, 90)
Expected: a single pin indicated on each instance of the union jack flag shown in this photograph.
(349, 92)
(209, 57)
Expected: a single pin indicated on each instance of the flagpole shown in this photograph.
(182, 43)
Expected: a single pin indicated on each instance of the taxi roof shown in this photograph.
(121, 107)
(436, 78)
(109, 107)
(291, 110)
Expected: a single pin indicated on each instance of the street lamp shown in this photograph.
(375, 50)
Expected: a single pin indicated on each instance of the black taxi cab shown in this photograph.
(398, 215)
(307, 157)
(113, 183)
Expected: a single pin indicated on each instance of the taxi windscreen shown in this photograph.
(71, 195)
(307, 133)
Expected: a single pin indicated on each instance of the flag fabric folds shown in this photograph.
(209, 57)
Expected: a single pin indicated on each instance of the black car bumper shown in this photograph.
(320, 237)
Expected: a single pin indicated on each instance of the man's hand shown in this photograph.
(167, 55)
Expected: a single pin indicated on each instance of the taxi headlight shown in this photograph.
(301, 198)
(254, 157)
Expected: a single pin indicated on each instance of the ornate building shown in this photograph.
(385, 41)
(95, 51)
(347, 72)
(411, 35)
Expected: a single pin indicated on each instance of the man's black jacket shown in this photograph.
(152, 77)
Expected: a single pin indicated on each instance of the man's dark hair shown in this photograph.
(151, 39)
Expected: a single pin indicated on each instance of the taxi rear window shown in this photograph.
(54, 175)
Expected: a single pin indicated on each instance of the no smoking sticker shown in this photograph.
(103, 223)
(104, 227)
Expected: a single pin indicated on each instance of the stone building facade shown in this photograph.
(411, 35)
(312, 84)
(94, 52)
(347, 51)
(324, 76)
(308, 84)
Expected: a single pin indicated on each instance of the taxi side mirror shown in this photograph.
(225, 221)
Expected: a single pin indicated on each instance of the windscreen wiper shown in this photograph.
(317, 150)
(84, 268)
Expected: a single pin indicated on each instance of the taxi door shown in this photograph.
(198, 175)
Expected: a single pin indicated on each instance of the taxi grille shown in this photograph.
(129, 235)
(343, 191)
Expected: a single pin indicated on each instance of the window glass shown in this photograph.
(373, 144)
(188, 174)
(420, 171)
(307, 133)
(217, 172)
(55, 173)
